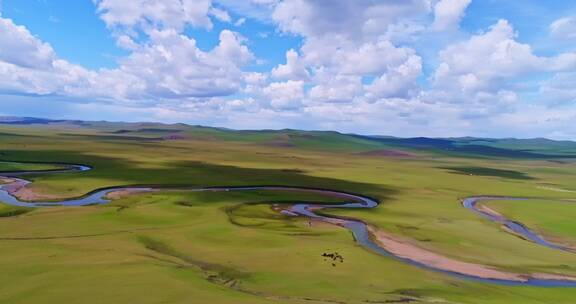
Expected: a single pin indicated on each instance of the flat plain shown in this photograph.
(183, 247)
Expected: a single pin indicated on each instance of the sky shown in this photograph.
(439, 68)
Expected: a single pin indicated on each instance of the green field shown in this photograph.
(182, 247)
(551, 218)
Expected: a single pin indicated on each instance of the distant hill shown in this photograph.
(12, 120)
(369, 146)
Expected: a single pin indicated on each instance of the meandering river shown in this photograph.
(366, 235)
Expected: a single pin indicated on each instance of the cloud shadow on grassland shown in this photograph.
(189, 173)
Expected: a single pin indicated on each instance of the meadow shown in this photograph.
(182, 247)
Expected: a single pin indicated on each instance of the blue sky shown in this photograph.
(71, 27)
(411, 68)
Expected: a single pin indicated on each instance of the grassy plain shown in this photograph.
(551, 218)
(183, 247)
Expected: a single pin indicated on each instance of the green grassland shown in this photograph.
(551, 218)
(182, 247)
(9, 166)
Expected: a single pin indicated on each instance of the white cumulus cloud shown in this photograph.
(294, 68)
(564, 28)
(448, 13)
